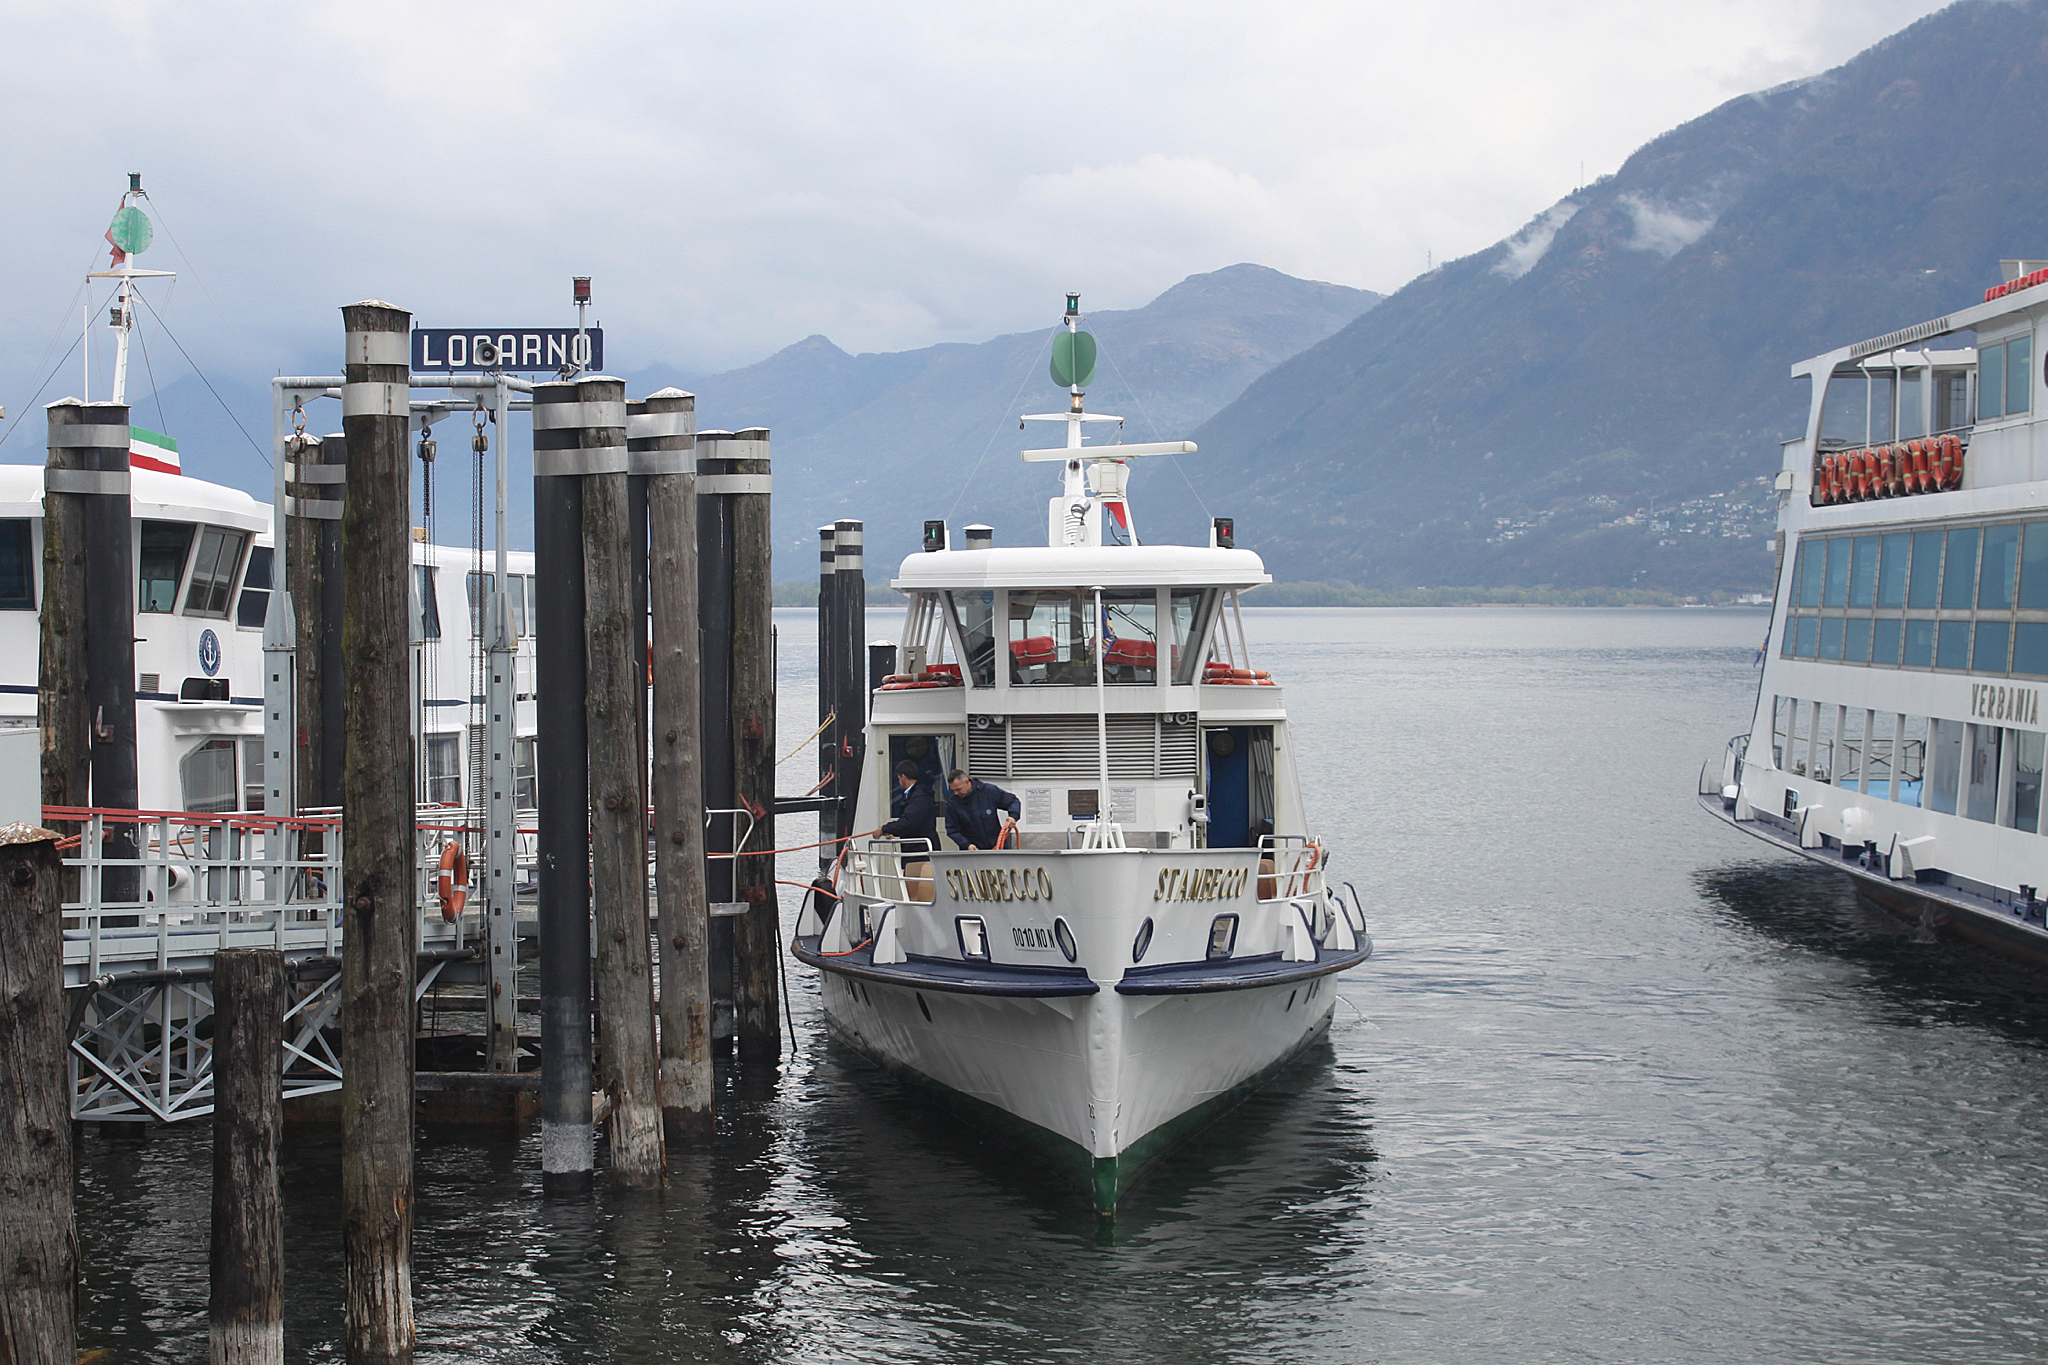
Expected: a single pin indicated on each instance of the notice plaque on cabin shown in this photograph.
(479, 350)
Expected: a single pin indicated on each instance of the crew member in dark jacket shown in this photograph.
(978, 812)
(920, 817)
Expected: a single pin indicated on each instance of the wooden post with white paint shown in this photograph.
(613, 669)
(662, 431)
(380, 946)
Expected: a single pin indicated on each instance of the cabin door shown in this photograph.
(934, 755)
(1238, 761)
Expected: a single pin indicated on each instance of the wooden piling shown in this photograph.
(849, 685)
(380, 946)
(613, 673)
(313, 565)
(62, 712)
(245, 1314)
(757, 934)
(563, 907)
(828, 696)
(38, 1231)
(662, 430)
(714, 626)
(110, 636)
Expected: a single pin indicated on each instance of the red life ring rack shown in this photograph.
(452, 886)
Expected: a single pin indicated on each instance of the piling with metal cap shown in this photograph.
(38, 1226)
(62, 712)
(313, 570)
(736, 474)
(564, 792)
(661, 433)
(849, 687)
(381, 943)
(828, 696)
(90, 574)
(614, 673)
(714, 627)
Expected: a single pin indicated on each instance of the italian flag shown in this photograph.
(152, 450)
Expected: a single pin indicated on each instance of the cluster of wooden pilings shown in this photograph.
(638, 518)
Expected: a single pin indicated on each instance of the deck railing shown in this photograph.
(197, 883)
(1297, 867)
(876, 870)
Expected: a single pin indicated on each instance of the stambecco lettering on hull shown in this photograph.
(1201, 883)
(999, 884)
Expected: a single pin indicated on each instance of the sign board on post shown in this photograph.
(477, 350)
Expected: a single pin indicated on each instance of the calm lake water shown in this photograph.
(1618, 1086)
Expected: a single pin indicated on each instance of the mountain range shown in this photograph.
(901, 437)
(1598, 400)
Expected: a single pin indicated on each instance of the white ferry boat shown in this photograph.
(1156, 934)
(1899, 731)
(202, 554)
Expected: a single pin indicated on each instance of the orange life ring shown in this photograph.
(1869, 479)
(1952, 451)
(1944, 463)
(1884, 472)
(1902, 463)
(1838, 482)
(1923, 465)
(453, 883)
(1831, 471)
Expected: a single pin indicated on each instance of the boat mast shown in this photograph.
(129, 235)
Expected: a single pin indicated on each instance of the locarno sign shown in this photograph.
(479, 350)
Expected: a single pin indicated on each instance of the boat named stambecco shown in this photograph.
(1155, 934)
(1897, 734)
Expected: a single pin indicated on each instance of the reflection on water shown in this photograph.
(1617, 1086)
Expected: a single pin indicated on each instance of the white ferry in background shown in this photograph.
(1899, 731)
(1160, 937)
(202, 555)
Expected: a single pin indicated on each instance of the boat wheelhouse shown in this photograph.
(1155, 934)
(1898, 732)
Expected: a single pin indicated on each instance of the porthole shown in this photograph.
(1222, 937)
(973, 935)
(1064, 936)
(1142, 941)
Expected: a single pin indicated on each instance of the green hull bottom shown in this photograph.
(1107, 1179)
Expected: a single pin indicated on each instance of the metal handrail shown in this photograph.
(209, 881)
(876, 868)
(1297, 866)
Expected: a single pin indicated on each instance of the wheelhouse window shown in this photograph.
(206, 777)
(1050, 640)
(1130, 636)
(525, 775)
(213, 572)
(161, 566)
(2019, 375)
(255, 599)
(974, 619)
(17, 566)
(1191, 610)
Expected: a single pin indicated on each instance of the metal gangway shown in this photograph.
(140, 933)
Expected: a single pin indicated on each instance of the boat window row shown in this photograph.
(1875, 403)
(1989, 773)
(1050, 637)
(205, 562)
(1966, 597)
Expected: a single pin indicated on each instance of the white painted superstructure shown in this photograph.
(1899, 731)
(1156, 934)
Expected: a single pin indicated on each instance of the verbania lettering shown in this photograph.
(1995, 701)
(999, 884)
(1201, 883)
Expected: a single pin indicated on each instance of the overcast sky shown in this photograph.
(738, 176)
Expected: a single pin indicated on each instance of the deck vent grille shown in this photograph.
(1040, 747)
